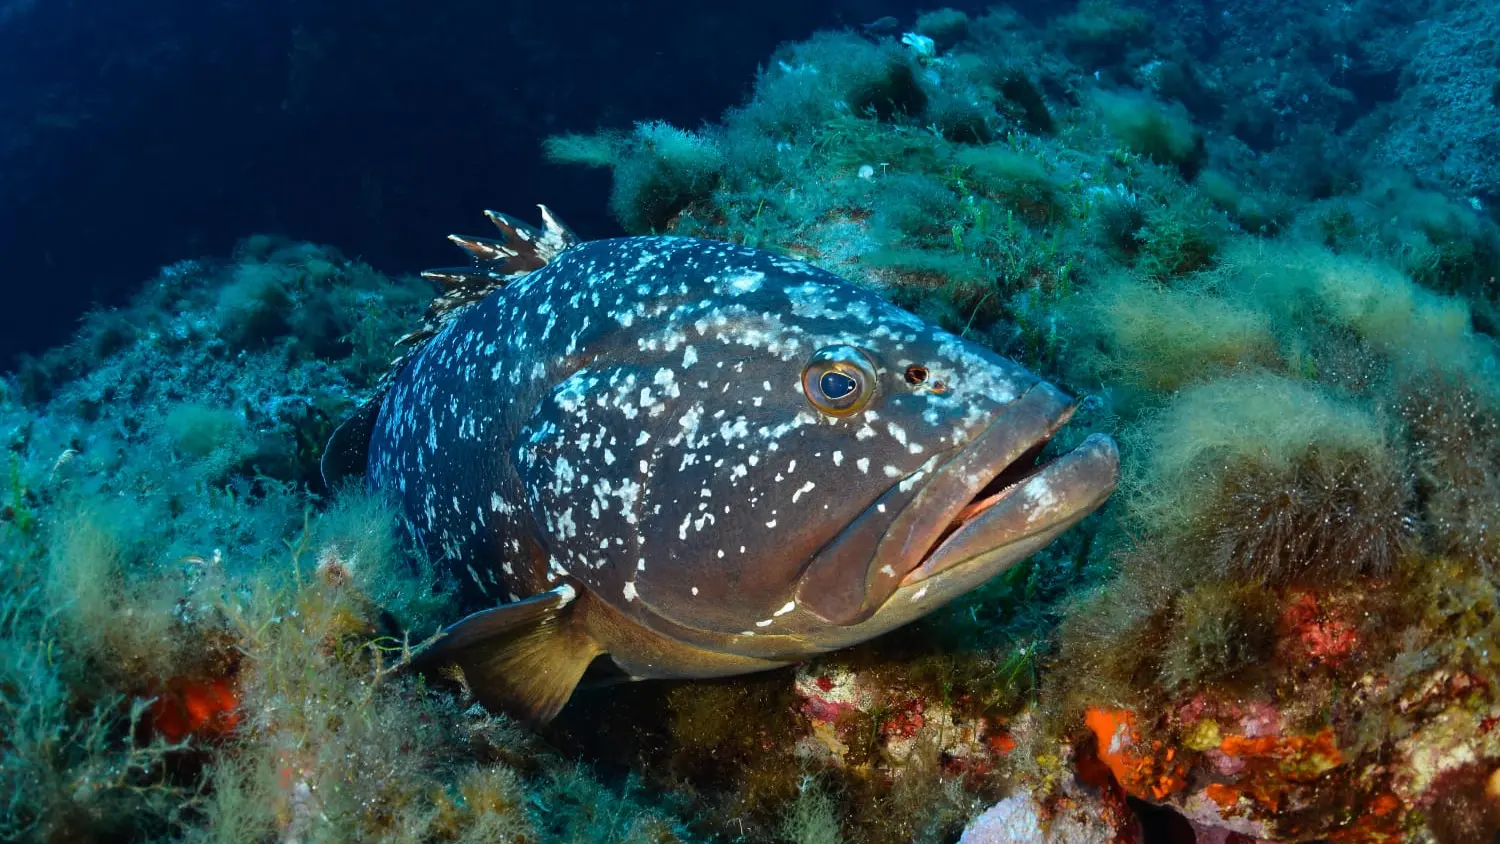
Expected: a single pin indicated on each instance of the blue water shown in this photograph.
(134, 134)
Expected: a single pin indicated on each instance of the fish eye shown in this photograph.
(839, 380)
(916, 375)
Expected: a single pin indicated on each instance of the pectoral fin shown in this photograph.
(524, 658)
(348, 449)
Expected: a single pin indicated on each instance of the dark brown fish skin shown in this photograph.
(628, 427)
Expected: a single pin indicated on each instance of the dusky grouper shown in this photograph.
(699, 459)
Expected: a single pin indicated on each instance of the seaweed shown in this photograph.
(1150, 129)
(659, 170)
(1266, 478)
(1221, 633)
(812, 817)
(1015, 180)
(1158, 340)
(1454, 427)
(946, 27)
(1102, 32)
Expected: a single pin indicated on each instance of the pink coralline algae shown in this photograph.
(839, 702)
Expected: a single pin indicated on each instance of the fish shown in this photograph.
(882, 26)
(671, 457)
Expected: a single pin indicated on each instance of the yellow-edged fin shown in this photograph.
(525, 658)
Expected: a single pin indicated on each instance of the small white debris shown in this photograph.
(920, 45)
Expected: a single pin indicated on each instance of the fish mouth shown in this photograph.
(1024, 507)
(998, 493)
(993, 503)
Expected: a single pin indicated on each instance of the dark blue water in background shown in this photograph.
(136, 133)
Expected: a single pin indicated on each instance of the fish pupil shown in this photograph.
(836, 385)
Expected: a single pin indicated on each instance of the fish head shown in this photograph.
(808, 465)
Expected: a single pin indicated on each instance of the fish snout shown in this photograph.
(990, 501)
(1021, 517)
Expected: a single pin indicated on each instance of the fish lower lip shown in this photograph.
(1000, 487)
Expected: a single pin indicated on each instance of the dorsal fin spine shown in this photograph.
(522, 249)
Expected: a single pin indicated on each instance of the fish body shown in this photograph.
(701, 459)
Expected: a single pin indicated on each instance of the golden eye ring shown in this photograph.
(839, 380)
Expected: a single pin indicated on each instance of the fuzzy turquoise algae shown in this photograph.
(700, 459)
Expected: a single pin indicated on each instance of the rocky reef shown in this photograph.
(1284, 627)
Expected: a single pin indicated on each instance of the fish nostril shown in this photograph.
(916, 375)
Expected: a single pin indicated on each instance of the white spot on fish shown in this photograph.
(746, 283)
(1040, 492)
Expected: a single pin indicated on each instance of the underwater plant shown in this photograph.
(1264, 478)
(659, 170)
(1016, 181)
(946, 27)
(1148, 128)
(1158, 340)
(1102, 32)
